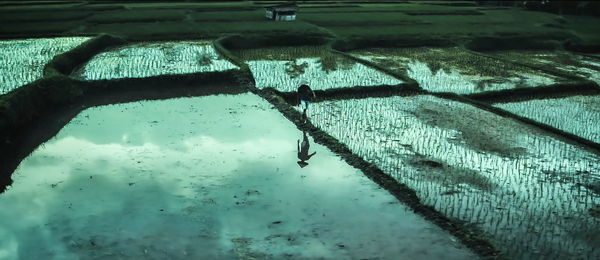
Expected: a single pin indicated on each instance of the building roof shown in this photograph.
(283, 7)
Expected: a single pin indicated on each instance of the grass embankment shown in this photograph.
(65, 63)
(358, 92)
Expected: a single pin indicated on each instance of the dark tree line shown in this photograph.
(553, 6)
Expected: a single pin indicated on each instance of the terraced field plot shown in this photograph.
(153, 59)
(578, 115)
(583, 66)
(455, 70)
(202, 178)
(23, 61)
(527, 190)
(286, 68)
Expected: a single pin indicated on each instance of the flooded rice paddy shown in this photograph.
(578, 115)
(223, 177)
(153, 59)
(583, 66)
(23, 61)
(455, 70)
(527, 190)
(286, 68)
(202, 178)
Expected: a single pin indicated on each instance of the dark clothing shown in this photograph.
(303, 148)
(305, 93)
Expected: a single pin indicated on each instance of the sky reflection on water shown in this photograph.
(210, 177)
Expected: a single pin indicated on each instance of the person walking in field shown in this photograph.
(305, 96)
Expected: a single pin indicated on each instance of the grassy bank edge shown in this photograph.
(65, 63)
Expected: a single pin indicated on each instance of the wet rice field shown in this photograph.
(23, 61)
(586, 67)
(583, 113)
(526, 189)
(153, 59)
(317, 68)
(456, 70)
(202, 178)
(228, 166)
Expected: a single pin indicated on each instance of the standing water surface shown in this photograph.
(209, 177)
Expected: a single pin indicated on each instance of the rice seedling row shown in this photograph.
(286, 68)
(455, 70)
(153, 59)
(564, 62)
(578, 115)
(23, 61)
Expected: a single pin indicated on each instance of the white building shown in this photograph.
(285, 12)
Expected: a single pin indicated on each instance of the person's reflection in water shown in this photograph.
(303, 150)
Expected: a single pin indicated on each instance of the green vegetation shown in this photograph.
(562, 63)
(229, 16)
(149, 31)
(242, 25)
(24, 29)
(23, 61)
(360, 19)
(580, 110)
(457, 70)
(153, 59)
(445, 59)
(137, 16)
(405, 7)
(191, 30)
(65, 63)
(283, 53)
(355, 24)
(42, 16)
